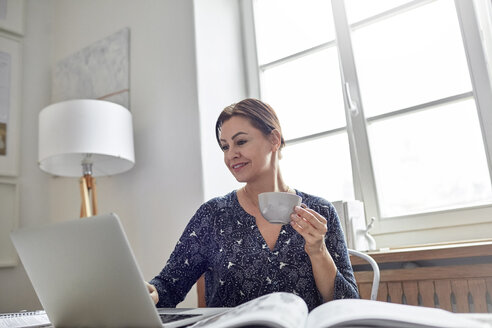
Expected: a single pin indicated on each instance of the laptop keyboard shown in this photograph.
(167, 317)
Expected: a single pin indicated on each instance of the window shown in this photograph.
(300, 78)
(385, 101)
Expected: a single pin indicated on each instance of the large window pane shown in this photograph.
(411, 58)
(320, 167)
(430, 160)
(285, 27)
(358, 10)
(306, 94)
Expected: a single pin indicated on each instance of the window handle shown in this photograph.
(351, 104)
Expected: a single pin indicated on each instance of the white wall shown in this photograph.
(158, 196)
(221, 82)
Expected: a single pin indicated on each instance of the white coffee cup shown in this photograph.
(277, 207)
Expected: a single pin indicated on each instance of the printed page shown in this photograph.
(277, 310)
(27, 319)
(366, 313)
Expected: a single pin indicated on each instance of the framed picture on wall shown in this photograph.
(12, 16)
(10, 57)
(9, 220)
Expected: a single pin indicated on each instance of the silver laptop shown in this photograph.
(85, 275)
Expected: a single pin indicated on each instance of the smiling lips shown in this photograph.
(238, 166)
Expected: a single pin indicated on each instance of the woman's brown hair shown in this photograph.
(261, 115)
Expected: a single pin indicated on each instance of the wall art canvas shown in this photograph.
(10, 58)
(98, 71)
(9, 206)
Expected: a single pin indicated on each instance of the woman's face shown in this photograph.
(247, 152)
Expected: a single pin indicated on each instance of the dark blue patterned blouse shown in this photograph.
(223, 241)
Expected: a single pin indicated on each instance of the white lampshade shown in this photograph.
(85, 131)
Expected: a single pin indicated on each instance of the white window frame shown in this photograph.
(362, 170)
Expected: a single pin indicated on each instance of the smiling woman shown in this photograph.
(240, 253)
(241, 129)
(245, 152)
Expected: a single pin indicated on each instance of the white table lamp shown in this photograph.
(85, 137)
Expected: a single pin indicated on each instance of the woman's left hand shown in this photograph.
(312, 226)
(153, 292)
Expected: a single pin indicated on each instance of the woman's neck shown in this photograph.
(268, 182)
(253, 188)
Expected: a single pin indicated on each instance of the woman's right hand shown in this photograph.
(153, 292)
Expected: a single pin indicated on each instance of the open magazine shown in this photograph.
(284, 310)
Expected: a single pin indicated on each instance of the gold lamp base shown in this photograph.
(88, 195)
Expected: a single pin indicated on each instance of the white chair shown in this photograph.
(375, 269)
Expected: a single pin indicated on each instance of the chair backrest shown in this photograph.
(375, 269)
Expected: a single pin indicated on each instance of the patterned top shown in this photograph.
(223, 241)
